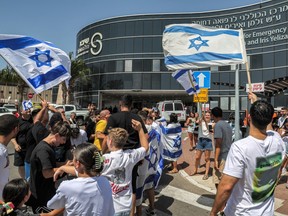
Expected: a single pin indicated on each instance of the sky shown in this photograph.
(59, 21)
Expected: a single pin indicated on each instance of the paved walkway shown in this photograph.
(186, 163)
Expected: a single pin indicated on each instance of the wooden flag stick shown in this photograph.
(248, 77)
(40, 97)
(192, 83)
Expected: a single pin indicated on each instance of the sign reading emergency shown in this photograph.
(202, 96)
(256, 87)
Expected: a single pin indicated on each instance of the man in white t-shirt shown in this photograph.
(118, 165)
(9, 127)
(251, 169)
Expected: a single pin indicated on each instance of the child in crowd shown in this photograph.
(16, 192)
(118, 165)
(89, 194)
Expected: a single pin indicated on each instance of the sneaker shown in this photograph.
(151, 212)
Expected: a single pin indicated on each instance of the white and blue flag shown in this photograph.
(27, 105)
(171, 141)
(39, 63)
(148, 171)
(188, 46)
(182, 76)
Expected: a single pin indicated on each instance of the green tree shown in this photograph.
(9, 76)
(79, 70)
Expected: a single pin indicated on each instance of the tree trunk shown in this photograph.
(64, 92)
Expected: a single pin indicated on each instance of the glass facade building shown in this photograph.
(125, 56)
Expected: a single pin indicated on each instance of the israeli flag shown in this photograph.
(27, 105)
(171, 141)
(182, 76)
(188, 46)
(149, 166)
(40, 64)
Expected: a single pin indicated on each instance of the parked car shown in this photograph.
(4, 110)
(172, 106)
(81, 113)
(10, 107)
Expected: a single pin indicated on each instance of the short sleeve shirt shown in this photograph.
(222, 130)
(123, 120)
(42, 158)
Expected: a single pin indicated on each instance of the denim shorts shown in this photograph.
(204, 144)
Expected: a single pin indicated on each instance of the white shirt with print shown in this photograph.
(256, 164)
(118, 166)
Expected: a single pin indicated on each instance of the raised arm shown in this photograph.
(143, 138)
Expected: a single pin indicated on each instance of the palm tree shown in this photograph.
(9, 76)
(79, 70)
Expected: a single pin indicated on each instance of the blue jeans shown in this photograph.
(27, 170)
(204, 144)
(125, 213)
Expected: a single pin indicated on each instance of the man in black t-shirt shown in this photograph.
(123, 119)
(43, 166)
(20, 143)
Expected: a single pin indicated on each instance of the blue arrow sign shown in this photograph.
(203, 78)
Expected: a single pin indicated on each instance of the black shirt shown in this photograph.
(24, 126)
(42, 158)
(34, 135)
(123, 120)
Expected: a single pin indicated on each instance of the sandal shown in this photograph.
(205, 177)
(173, 171)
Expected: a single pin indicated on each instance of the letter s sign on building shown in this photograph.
(96, 43)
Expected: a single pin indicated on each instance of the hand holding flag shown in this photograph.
(40, 64)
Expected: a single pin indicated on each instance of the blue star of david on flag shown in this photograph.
(197, 43)
(41, 54)
(177, 142)
(149, 158)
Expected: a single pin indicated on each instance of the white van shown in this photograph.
(172, 106)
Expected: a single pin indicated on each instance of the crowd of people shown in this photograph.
(105, 167)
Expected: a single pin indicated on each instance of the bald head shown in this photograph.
(104, 114)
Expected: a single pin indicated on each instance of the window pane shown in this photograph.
(147, 65)
(128, 65)
(224, 102)
(169, 107)
(119, 66)
(137, 65)
(156, 65)
(178, 106)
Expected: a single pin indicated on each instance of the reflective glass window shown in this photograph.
(156, 65)
(256, 61)
(165, 81)
(138, 27)
(128, 45)
(137, 65)
(147, 65)
(119, 66)
(128, 65)
(138, 45)
(148, 27)
(146, 81)
(137, 80)
(129, 28)
(147, 44)
(156, 81)
(120, 46)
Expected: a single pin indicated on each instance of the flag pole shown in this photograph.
(237, 107)
(192, 83)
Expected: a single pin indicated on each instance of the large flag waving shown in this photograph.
(188, 46)
(182, 77)
(40, 64)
